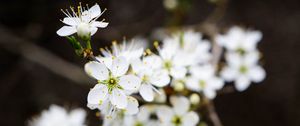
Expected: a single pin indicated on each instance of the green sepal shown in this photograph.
(74, 43)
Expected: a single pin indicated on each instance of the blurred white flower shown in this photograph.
(113, 82)
(148, 69)
(83, 22)
(59, 116)
(160, 97)
(239, 40)
(203, 79)
(130, 50)
(113, 116)
(179, 115)
(243, 69)
(170, 4)
(146, 117)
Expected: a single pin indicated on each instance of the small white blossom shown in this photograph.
(59, 116)
(131, 51)
(151, 75)
(183, 50)
(179, 115)
(239, 40)
(243, 69)
(203, 79)
(146, 117)
(83, 21)
(113, 82)
(116, 117)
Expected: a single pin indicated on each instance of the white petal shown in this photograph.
(160, 78)
(146, 92)
(132, 106)
(257, 74)
(71, 21)
(77, 116)
(234, 59)
(118, 98)
(164, 113)
(180, 104)
(137, 65)
(100, 24)
(178, 72)
(96, 70)
(119, 66)
(95, 11)
(153, 61)
(130, 82)
(242, 83)
(193, 84)
(251, 58)
(229, 73)
(210, 93)
(215, 83)
(93, 30)
(98, 94)
(105, 60)
(66, 31)
(190, 119)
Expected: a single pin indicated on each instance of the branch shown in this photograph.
(41, 57)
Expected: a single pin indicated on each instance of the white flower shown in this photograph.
(113, 83)
(182, 50)
(130, 50)
(194, 48)
(83, 22)
(239, 40)
(148, 70)
(170, 58)
(58, 116)
(243, 69)
(116, 117)
(203, 79)
(179, 115)
(145, 117)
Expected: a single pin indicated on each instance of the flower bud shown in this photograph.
(194, 99)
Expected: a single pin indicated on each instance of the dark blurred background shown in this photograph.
(39, 68)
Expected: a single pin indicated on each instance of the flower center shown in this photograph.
(168, 65)
(112, 83)
(241, 51)
(138, 124)
(83, 30)
(243, 69)
(202, 84)
(176, 120)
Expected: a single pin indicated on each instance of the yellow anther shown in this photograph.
(156, 44)
(148, 51)
(114, 42)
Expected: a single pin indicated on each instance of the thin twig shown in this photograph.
(42, 57)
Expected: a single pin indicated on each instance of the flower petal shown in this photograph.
(242, 83)
(164, 113)
(190, 119)
(178, 72)
(160, 78)
(71, 21)
(193, 84)
(98, 94)
(180, 104)
(96, 70)
(130, 82)
(229, 73)
(132, 106)
(93, 30)
(118, 98)
(257, 74)
(146, 92)
(66, 31)
(99, 24)
(119, 66)
(77, 116)
(95, 11)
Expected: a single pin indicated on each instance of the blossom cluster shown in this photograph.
(129, 73)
